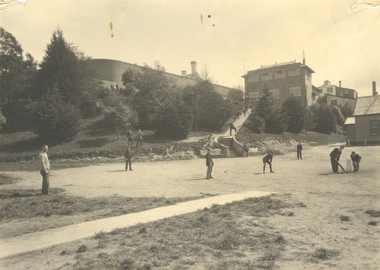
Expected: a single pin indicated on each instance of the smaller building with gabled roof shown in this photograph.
(364, 126)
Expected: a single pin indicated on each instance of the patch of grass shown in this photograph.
(6, 179)
(324, 254)
(100, 235)
(24, 204)
(373, 213)
(344, 218)
(82, 248)
(372, 223)
(213, 238)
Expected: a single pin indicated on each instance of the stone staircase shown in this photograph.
(229, 142)
(230, 147)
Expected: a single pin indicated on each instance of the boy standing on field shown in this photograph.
(44, 169)
(128, 155)
(209, 164)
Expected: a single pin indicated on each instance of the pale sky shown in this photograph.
(341, 38)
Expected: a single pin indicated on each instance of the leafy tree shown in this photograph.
(59, 70)
(174, 117)
(310, 119)
(338, 115)
(326, 121)
(2, 120)
(235, 95)
(117, 114)
(276, 122)
(347, 110)
(54, 119)
(16, 75)
(296, 114)
(149, 86)
(210, 111)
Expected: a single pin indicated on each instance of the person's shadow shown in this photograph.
(116, 171)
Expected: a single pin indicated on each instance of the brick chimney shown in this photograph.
(374, 93)
(340, 84)
(193, 67)
(183, 72)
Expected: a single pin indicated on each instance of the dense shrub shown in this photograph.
(255, 124)
(326, 120)
(295, 113)
(174, 117)
(2, 120)
(55, 120)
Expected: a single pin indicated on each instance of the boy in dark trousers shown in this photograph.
(299, 151)
(334, 158)
(268, 159)
(246, 149)
(130, 137)
(209, 164)
(355, 161)
(128, 155)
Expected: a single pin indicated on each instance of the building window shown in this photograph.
(294, 72)
(330, 90)
(253, 78)
(295, 91)
(266, 76)
(254, 96)
(279, 74)
(334, 103)
(374, 128)
(275, 93)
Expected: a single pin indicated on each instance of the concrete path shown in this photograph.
(44, 239)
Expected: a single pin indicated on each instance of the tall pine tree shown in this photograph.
(59, 70)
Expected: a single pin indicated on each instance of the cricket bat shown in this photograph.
(341, 167)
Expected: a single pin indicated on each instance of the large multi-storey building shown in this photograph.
(283, 81)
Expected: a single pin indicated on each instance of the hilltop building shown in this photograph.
(338, 95)
(110, 73)
(283, 81)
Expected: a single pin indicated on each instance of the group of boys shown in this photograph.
(335, 156)
(267, 159)
(129, 153)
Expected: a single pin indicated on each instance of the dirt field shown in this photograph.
(327, 198)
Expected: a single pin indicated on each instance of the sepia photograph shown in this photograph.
(189, 134)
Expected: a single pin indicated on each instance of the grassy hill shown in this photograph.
(94, 145)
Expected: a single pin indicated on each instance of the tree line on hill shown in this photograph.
(293, 117)
(51, 98)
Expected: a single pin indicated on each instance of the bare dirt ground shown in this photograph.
(327, 197)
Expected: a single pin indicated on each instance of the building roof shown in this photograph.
(350, 121)
(278, 66)
(112, 71)
(367, 105)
